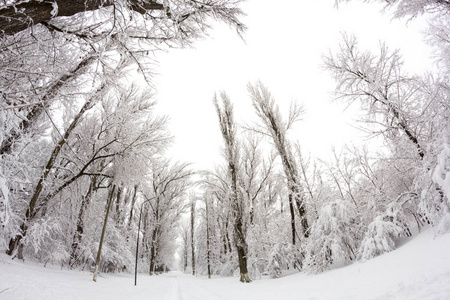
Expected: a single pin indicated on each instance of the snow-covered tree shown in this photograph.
(165, 191)
(238, 206)
(277, 128)
(111, 142)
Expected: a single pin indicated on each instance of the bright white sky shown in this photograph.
(283, 48)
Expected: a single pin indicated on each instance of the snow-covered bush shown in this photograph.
(441, 176)
(46, 241)
(379, 238)
(117, 253)
(332, 237)
(282, 257)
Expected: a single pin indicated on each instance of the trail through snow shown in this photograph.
(420, 269)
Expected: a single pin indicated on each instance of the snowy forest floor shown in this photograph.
(419, 269)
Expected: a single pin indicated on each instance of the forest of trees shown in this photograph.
(85, 179)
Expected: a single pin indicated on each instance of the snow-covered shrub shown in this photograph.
(46, 241)
(117, 254)
(434, 184)
(282, 257)
(441, 177)
(332, 237)
(229, 266)
(383, 231)
(379, 238)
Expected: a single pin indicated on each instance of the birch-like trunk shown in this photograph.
(99, 252)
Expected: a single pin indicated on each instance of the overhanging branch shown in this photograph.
(16, 18)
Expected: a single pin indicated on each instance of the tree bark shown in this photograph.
(80, 222)
(185, 250)
(99, 252)
(291, 210)
(153, 251)
(242, 250)
(15, 18)
(118, 204)
(133, 202)
(228, 129)
(192, 236)
(208, 250)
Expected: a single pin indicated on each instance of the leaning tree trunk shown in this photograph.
(99, 252)
(36, 111)
(15, 18)
(33, 208)
(277, 128)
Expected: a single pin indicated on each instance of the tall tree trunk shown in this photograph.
(99, 252)
(118, 210)
(239, 236)
(86, 200)
(133, 202)
(228, 129)
(208, 250)
(242, 250)
(291, 210)
(153, 252)
(277, 128)
(192, 236)
(185, 251)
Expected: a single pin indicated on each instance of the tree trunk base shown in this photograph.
(245, 278)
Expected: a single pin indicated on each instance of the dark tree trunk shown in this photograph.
(133, 202)
(228, 129)
(80, 222)
(153, 251)
(14, 19)
(185, 252)
(291, 210)
(118, 202)
(208, 250)
(242, 250)
(192, 236)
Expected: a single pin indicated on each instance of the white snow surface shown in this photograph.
(419, 269)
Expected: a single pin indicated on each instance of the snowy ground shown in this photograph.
(420, 269)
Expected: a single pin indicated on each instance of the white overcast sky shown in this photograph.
(283, 47)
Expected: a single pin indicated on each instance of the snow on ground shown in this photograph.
(420, 269)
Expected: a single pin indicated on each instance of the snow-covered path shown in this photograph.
(420, 269)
